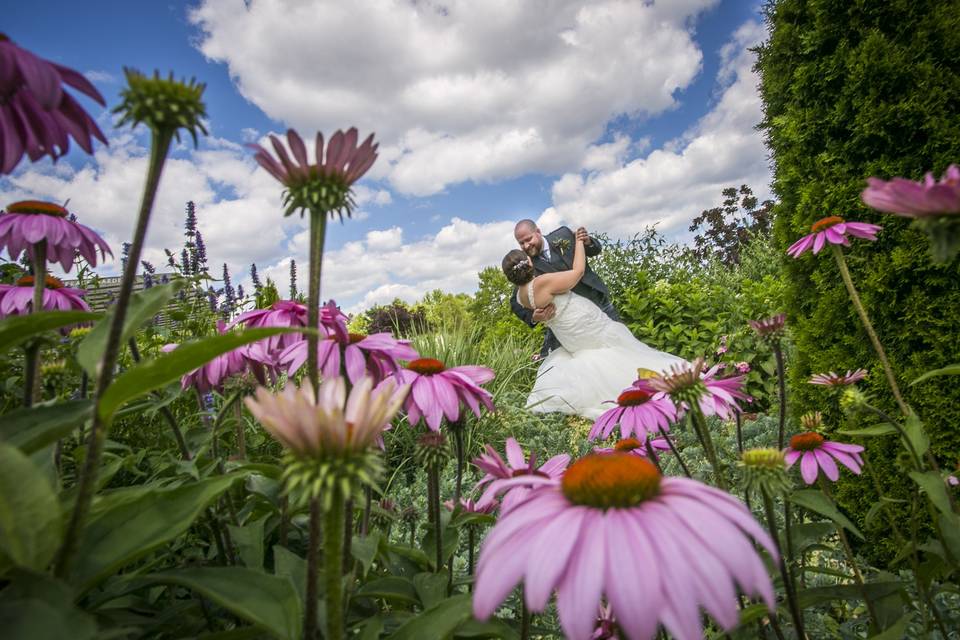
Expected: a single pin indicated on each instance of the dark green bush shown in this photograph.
(850, 90)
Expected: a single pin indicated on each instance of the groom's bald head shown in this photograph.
(528, 236)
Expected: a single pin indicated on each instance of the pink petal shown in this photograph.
(808, 467)
(578, 595)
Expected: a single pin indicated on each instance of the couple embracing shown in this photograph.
(588, 355)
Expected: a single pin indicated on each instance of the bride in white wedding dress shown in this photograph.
(598, 358)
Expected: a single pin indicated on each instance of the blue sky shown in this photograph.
(609, 114)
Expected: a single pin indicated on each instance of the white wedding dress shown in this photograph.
(598, 359)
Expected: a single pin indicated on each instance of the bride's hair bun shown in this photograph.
(517, 268)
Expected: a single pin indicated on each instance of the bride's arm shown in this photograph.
(563, 281)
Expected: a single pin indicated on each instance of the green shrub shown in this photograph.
(852, 90)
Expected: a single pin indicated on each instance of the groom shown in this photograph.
(554, 252)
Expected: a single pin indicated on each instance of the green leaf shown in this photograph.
(267, 601)
(30, 519)
(895, 631)
(134, 525)
(950, 527)
(491, 629)
(365, 549)
(437, 622)
(37, 607)
(813, 500)
(752, 613)
(391, 588)
(952, 370)
(249, 541)
(809, 533)
(431, 587)
(822, 595)
(168, 367)
(16, 329)
(143, 306)
(371, 629)
(883, 429)
(32, 428)
(916, 434)
(936, 489)
(289, 565)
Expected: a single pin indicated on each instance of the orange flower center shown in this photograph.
(633, 397)
(806, 441)
(611, 481)
(426, 366)
(823, 223)
(357, 337)
(37, 207)
(49, 282)
(627, 444)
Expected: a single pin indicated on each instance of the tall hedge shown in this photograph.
(851, 89)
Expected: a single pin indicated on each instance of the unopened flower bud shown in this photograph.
(764, 470)
(432, 450)
(812, 421)
(853, 400)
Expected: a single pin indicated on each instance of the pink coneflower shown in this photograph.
(436, 391)
(377, 355)
(834, 230)
(469, 506)
(836, 380)
(817, 453)
(769, 327)
(515, 475)
(212, 375)
(635, 446)
(28, 222)
(37, 116)
(640, 410)
(17, 299)
(330, 424)
(688, 382)
(915, 199)
(605, 627)
(282, 313)
(324, 185)
(657, 548)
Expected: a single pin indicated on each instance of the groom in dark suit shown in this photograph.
(554, 252)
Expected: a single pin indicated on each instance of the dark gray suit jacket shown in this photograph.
(590, 285)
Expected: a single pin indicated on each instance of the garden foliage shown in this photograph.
(850, 90)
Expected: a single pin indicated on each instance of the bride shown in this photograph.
(598, 357)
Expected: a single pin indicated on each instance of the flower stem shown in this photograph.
(318, 228)
(471, 543)
(700, 425)
(676, 453)
(784, 574)
(457, 427)
(160, 146)
(782, 388)
(31, 381)
(865, 319)
(739, 420)
(333, 543)
(652, 456)
(851, 559)
(524, 617)
(434, 474)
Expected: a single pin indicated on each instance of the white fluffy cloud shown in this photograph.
(458, 90)
(673, 184)
(382, 266)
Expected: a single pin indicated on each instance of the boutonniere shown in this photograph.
(562, 245)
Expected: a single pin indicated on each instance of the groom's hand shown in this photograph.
(583, 235)
(544, 314)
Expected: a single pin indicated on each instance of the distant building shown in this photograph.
(104, 292)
